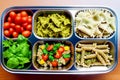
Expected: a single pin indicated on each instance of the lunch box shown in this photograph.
(69, 13)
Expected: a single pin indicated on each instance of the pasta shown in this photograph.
(55, 25)
(93, 54)
(100, 59)
(95, 23)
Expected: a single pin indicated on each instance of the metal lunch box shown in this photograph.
(71, 12)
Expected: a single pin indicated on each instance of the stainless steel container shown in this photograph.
(71, 12)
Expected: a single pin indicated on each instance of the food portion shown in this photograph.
(50, 55)
(90, 54)
(17, 54)
(18, 22)
(52, 24)
(93, 23)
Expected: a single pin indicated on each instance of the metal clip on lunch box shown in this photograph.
(93, 50)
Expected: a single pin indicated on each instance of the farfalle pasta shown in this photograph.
(95, 23)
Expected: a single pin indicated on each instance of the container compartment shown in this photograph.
(47, 53)
(51, 24)
(17, 54)
(17, 21)
(94, 55)
(95, 23)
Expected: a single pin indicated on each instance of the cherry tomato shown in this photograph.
(21, 29)
(44, 57)
(6, 25)
(24, 14)
(25, 25)
(54, 63)
(18, 14)
(24, 19)
(17, 19)
(29, 19)
(9, 19)
(57, 55)
(50, 47)
(11, 30)
(66, 59)
(17, 28)
(12, 25)
(7, 33)
(15, 34)
(26, 33)
(12, 14)
(61, 49)
(29, 27)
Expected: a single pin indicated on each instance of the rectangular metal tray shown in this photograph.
(73, 38)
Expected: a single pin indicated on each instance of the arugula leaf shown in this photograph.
(12, 62)
(12, 49)
(7, 43)
(23, 60)
(7, 54)
(22, 39)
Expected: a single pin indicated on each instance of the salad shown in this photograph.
(17, 54)
(53, 54)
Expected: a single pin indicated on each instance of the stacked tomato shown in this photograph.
(18, 23)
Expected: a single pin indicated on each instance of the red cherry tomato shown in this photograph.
(17, 28)
(26, 33)
(15, 34)
(29, 19)
(17, 19)
(57, 55)
(44, 57)
(54, 63)
(12, 25)
(24, 19)
(24, 14)
(25, 25)
(9, 19)
(61, 49)
(50, 47)
(21, 29)
(66, 59)
(18, 14)
(7, 33)
(6, 25)
(11, 30)
(12, 14)
(29, 27)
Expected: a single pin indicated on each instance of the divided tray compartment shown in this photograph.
(95, 23)
(95, 53)
(71, 11)
(52, 17)
(39, 67)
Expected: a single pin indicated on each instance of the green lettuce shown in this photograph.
(16, 53)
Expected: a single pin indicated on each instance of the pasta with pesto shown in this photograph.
(93, 54)
(53, 25)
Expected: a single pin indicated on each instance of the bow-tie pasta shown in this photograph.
(95, 23)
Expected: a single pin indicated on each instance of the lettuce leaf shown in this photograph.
(16, 52)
